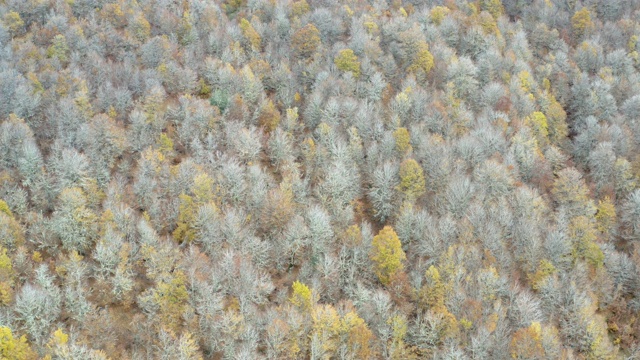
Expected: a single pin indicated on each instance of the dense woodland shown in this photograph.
(319, 179)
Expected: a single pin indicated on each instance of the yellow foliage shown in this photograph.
(358, 335)
(13, 21)
(113, 13)
(11, 228)
(438, 14)
(432, 294)
(606, 215)
(494, 7)
(204, 90)
(185, 232)
(387, 255)
(466, 324)
(422, 60)
(348, 61)
(526, 81)
(402, 137)
(37, 85)
(556, 119)
(545, 269)
(165, 144)
(370, 26)
(14, 349)
(348, 10)
(171, 297)
(60, 337)
(583, 234)
(488, 23)
(581, 22)
(633, 41)
(250, 34)
(302, 297)
(140, 28)
(203, 188)
(538, 123)
(353, 236)
(59, 48)
(5, 208)
(412, 183)
(326, 319)
(6, 293)
(299, 7)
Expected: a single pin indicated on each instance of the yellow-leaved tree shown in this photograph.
(14, 349)
(387, 255)
(348, 61)
(581, 23)
(412, 183)
(302, 298)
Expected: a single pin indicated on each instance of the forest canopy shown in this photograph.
(319, 179)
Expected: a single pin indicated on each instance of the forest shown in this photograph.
(319, 179)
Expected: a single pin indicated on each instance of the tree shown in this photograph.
(494, 7)
(581, 23)
(570, 190)
(269, 117)
(402, 137)
(412, 183)
(347, 61)
(38, 306)
(14, 349)
(422, 61)
(381, 194)
(59, 49)
(11, 233)
(387, 255)
(305, 41)
(73, 222)
(171, 297)
(526, 343)
(630, 216)
(438, 13)
(250, 34)
(301, 297)
(14, 22)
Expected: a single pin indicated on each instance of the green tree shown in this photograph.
(387, 255)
